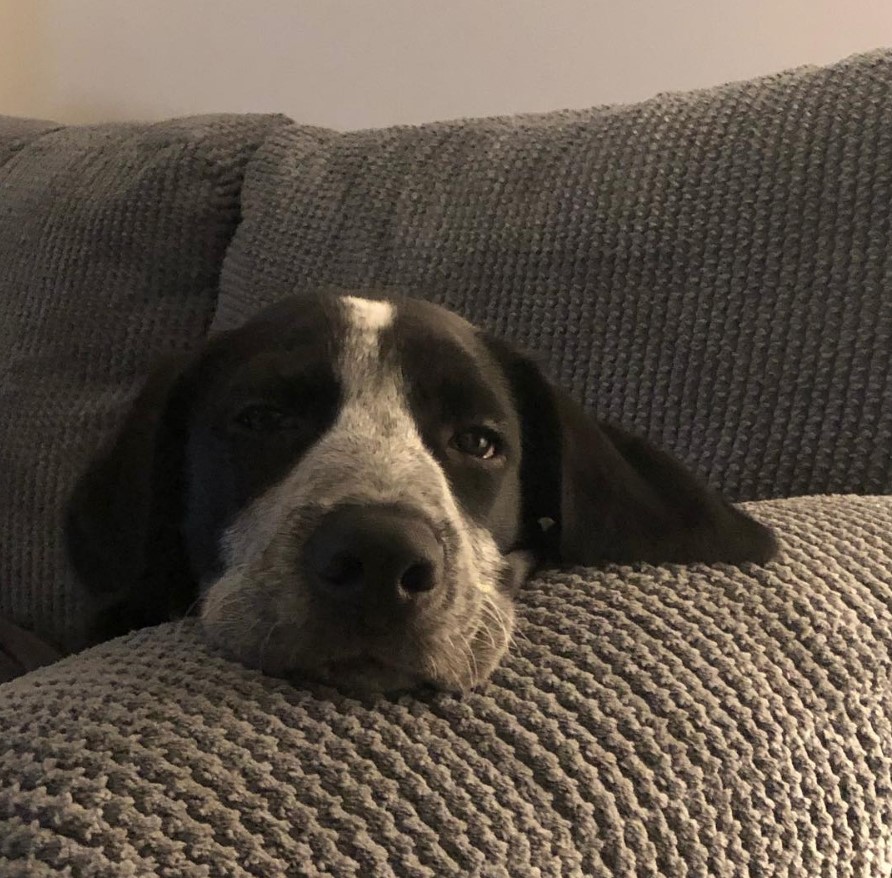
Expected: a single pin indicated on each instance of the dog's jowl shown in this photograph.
(354, 489)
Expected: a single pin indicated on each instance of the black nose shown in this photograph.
(372, 556)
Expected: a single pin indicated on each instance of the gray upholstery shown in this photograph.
(111, 239)
(668, 722)
(712, 268)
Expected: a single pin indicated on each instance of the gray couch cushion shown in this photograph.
(711, 268)
(111, 241)
(649, 721)
(16, 134)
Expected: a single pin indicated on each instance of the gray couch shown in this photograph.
(713, 269)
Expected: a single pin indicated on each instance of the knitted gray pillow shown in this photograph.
(111, 241)
(670, 721)
(710, 268)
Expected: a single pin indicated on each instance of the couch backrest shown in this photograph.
(111, 242)
(710, 268)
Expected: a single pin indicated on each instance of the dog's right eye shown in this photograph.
(479, 442)
(264, 419)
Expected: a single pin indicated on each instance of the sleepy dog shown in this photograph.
(355, 488)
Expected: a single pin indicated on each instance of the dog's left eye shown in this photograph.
(479, 442)
(264, 419)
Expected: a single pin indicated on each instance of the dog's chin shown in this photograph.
(366, 671)
(456, 671)
(363, 669)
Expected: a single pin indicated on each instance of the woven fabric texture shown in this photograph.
(712, 268)
(111, 242)
(672, 721)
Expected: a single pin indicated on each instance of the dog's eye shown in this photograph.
(263, 419)
(479, 442)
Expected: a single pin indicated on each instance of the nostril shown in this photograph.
(342, 569)
(419, 577)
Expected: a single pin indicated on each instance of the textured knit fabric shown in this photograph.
(673, 721)
(16, 134)
(111, 241)
(712, 268)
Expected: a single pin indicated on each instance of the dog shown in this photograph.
(355, 488)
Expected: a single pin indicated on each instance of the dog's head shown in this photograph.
(356, 488)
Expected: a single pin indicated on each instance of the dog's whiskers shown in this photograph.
(471, 669)
(486, 629)
(500, 617)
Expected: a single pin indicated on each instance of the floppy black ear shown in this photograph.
(614, 496)
(122, 521)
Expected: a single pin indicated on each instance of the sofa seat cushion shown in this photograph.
(665, 720)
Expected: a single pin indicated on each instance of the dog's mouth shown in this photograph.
(450, 657)
(445, 658)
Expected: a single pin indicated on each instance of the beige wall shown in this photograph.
(355, 63)
(22, 81)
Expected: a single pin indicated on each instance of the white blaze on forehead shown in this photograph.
(368, 315)
(372, 388)
(359, 361)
